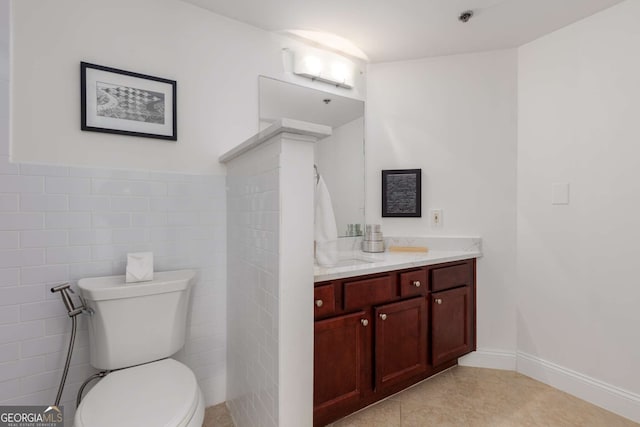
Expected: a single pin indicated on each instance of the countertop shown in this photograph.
(360, 263)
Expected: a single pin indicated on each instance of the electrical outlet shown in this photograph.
(436, 218)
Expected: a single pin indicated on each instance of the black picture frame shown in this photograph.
(127, 103)
(402, 193)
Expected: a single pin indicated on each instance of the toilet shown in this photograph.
(134, 328)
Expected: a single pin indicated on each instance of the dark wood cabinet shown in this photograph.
(378, 334)
(451, 324)
(363, 293)
(401, 341)
(452, 303)
(342, 363)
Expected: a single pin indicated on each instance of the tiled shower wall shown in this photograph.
(64, 223)
(253, 227)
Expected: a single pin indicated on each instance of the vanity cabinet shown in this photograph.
(450, 324)
(378, 334)
(400, 341)
(452, 312)
(341, 367)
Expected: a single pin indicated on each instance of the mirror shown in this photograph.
(340, 157)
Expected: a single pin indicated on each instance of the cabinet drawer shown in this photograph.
(413, 283)
(324, 301)
(362, 293)
(451, 277)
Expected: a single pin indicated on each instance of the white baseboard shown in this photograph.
(493, 359)
(599, 393)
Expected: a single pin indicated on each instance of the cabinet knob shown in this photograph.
(364, 322)
(438, 301)
(416, 283)
(383, 316)
(319, 303)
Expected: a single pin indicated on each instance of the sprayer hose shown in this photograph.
(74, 325)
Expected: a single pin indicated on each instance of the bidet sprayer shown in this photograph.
(64, 290)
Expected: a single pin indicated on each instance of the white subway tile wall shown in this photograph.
(253, 230)
(64, 223)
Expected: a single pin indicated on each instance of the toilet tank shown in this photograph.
(134, 323)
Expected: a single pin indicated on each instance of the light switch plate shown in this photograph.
(436, 218)
(560, 193)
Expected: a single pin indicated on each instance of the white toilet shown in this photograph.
(137, 326)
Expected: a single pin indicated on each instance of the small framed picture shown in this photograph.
(127, 103)
(401, 193)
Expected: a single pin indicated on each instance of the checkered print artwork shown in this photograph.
(127, 103)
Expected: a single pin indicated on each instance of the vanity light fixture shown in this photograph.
(323, 66)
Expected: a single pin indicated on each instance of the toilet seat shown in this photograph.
(162, 393)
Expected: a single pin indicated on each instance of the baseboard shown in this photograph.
(599, 393)
(493, 359)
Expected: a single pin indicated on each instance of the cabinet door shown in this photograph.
(401, 341)
(451, 317)
(342, 361)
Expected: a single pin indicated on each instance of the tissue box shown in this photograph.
(139, 267)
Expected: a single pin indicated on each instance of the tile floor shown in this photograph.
(217, 416)
(472, 397)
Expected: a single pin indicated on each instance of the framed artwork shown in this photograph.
(401, 193)
(127, 103)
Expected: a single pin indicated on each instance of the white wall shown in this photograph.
(4, 78)
(455, 118)
(216, 62)
(253, 227)
(340, 161)
(295, 343)
(270, 327)
(578, 123)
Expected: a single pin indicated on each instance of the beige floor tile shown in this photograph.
(439, 389)
(474, 397)
(217, 416)
(428, 416)
(470, 397)
(382, 414)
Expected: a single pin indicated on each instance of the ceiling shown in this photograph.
(392, 30)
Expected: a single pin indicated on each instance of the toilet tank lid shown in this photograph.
(115, 287)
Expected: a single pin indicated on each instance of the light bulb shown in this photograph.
(340, 72)
(313, 65)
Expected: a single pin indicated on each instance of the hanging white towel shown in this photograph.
(325, 221)
(326, 231)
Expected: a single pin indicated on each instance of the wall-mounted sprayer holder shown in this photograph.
(64, 290)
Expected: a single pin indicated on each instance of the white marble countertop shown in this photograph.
(367, 263)
(356, 263)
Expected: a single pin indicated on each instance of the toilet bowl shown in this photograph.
(133, 329)
(162, 393)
